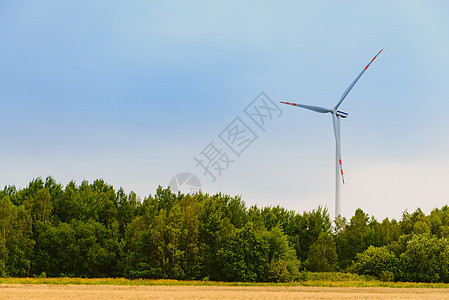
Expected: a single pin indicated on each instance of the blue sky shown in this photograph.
(132, 91)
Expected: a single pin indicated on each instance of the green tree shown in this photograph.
(212, 220)
(245, 257)
(389, 231)
(192, 259)
(6, 230)
(235, 210)
(376, 261)
(303, 230)
(283, 263)
(351, 240)
(158, 261)
(175, 234)
(130, 254)
(40, 206)
(56, 252)
(408, 220)
(322, 254)
(67, 205)
(126, 206)
(426, 259)
(20, 244)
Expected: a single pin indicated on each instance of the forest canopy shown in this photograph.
(93, 230)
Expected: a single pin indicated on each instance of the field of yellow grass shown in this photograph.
(313, 286)
(100, 292)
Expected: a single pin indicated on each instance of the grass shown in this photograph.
(311, 279)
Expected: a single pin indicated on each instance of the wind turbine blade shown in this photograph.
(309, 107)
(336, 123)
(355, 81)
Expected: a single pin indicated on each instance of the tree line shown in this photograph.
(93, 230)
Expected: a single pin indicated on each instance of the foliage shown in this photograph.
(376, 261)
(426, 259)
(93, 230)
(322, 254)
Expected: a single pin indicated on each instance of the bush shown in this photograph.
(376, 261)
(386, 276)
(426, 259)
(278, 271)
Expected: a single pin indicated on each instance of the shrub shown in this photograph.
(426, 259)
(376, 261)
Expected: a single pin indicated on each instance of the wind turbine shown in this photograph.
(336, 115)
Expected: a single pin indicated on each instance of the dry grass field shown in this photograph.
(100, 292)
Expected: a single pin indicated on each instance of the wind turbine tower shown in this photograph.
(336, 116)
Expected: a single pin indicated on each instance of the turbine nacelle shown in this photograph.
(340, 113)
